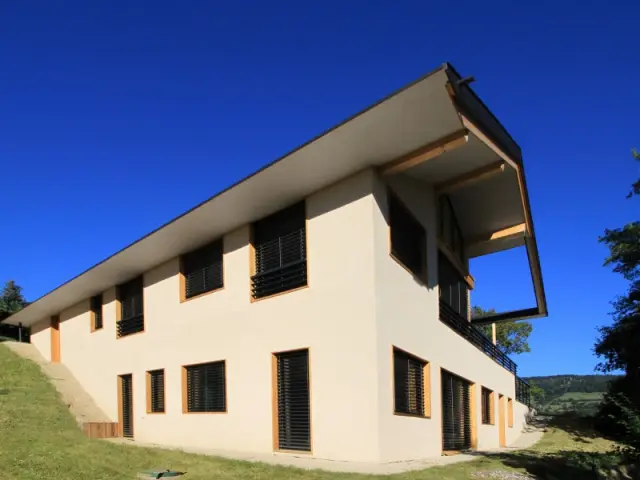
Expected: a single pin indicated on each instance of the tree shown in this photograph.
(619, 343)
(511, 337)
(11, 299)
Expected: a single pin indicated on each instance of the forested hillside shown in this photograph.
(563, 393)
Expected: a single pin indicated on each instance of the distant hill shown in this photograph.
(570, 393)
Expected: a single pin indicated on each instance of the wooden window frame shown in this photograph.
(274, 402)
(422, 276)
(183, 280)
(148, 375)
(185, 392)
(121, 407)
(510, 415)
(92, 313)
(426, 384)
(118, 305)
(492, 407)
(252, 255)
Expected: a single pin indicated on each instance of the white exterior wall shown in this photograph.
(333, 318)
(359, 303)
(407, 318)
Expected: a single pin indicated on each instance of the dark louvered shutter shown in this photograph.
(156, 381)
(202, 270)
(96, 308)
(408, 237)
(206, 387)
(456, 413)
(486, 406)
(280, 252)
(294, 422)
(130, 296)
(453, 288)
(126, 385)
(408, 384)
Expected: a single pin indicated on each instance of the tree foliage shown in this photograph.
(511, 337)
(618, 344)
(11, 299)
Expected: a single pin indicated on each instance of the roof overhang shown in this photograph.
(414, 119)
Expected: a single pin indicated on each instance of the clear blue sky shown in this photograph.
(118, 116)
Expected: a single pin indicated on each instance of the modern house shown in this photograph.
(320, 306)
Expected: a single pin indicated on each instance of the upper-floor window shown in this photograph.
(96, 312)
(454, 290)
(449, 230)
(280, 259)
(408, 238)
(202, 270)
(131, 308)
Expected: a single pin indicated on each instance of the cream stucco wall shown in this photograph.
(359, 303)
(407, 317)
(333, 318)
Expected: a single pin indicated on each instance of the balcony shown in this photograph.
(473, 334)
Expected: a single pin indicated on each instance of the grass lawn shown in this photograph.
(40, 440)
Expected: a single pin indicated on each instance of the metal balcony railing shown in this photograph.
(130, 325)
(470, 332)
(523, 392)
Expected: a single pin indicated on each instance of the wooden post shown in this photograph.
(493, 334)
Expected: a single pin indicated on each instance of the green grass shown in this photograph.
(40, 440)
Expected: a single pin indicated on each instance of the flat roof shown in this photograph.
(416, 115)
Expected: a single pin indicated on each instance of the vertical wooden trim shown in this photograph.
(310, 398)
(55, 338)
(92, 316)
(306, 242)
(494, 333)
(133, 429)
(148, 382)
(252, 261)
(510, 412)
(473, 412)
(120, 408)
(274, 402)
(185, 401)
(501, 421)
(426, 394)
(492, 408)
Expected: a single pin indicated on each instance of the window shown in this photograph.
(487, 406)
(202, 270)
(454, 291)
(96, 313)
(155, 391)
(131, 310)
(510, 411)
(408, 238)
(411, 384)
(280, 251)
(449, 230)
(204, 388)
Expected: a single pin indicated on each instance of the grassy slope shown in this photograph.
(40, 440)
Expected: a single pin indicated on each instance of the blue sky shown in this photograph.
(118, 116)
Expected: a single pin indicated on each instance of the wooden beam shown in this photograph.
(470, 178)
(518, 230)
(427, 152)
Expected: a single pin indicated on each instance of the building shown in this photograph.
(319, 306)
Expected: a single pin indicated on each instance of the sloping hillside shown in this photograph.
(570, 393)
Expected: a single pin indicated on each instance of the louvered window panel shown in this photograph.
(487, 408)
(449, 229)
(456, 413)
(453, 289)
(294, 422)
(96, 309)
(156, 385)
(280, 252)
(202, 269)
(408, 237)
(206, 387)
(126, 387)
(130, 296)
(408, 375)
